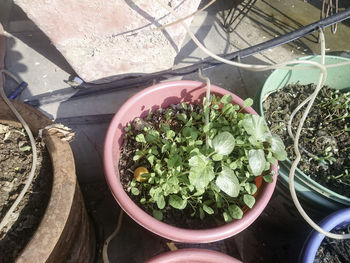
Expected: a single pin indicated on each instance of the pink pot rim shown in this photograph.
(161, 228)
(193, 255)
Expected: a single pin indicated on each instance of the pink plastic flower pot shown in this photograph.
(193, 255)
(161, 96)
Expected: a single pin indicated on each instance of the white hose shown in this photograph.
(323, 61)
(6, 218)
(311, 99)
(116, 231)
(298, 156)
(241, 65)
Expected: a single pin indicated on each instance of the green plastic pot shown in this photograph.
(307, 189)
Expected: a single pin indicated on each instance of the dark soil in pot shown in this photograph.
(325, 138)
(334, 251)
(15, 165)
(168, 141)
(180, 218)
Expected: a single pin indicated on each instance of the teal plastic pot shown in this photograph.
(307, 189)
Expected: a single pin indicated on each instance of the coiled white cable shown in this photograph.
(6, 218)
(311, 100)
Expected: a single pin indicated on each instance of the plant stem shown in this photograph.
(339, 118)
(207, 103)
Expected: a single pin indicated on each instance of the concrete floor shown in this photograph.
(278, 234)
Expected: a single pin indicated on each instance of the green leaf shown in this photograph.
(251, 188)
(268, 178)
(235, 212)
(207, 127)
(150, 158)
(247, 103)
(199, 192)
(198, 142)
(165, 147)
(182, 117)
(217, 157)
(154, 150)
(219, 201)
(223, 143)
(174, 161)
(228, 182)
(170, 134)
(25, 148)
(152, 136)
(127, 128)
(254, 125)
(190, 187)
(177, 202)
(271, 160)
(257, 161)
(164, 128)
(158, 215)
(278, 148)
(135, 191)
(249, 200)
(227, 109)
(201, 171)
(201, 213)
(226, 99)
(190, 132)
(227, 217)
(161, 202)
(208, 209)
(253, 141)
(233, 165)
(140, 138)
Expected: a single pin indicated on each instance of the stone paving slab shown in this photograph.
(103, 40)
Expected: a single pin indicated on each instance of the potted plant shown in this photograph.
(193, 255)
(322, 150)
(324, 250)
(64, 233)
(198, 156)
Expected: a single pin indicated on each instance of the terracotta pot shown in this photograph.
(161, 96)
(64, 233)
(193, 255)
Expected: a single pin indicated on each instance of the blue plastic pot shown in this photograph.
(336, 220)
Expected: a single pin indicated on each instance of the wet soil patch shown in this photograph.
(325, 138)
(179, 218)
(15, 166)
(334, 251)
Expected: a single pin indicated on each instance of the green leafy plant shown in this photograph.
(208, 167)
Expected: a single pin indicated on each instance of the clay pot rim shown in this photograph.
(61, 198)
(147, 221)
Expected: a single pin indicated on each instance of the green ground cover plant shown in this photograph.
(208, 160)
